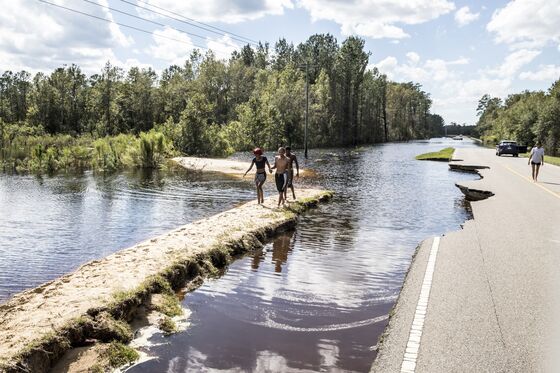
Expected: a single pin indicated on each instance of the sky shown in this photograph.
(457, 50)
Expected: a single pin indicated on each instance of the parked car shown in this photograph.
(507, 147)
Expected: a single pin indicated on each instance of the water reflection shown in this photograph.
(317, 299)
(281, 247)
(311, 300)
(51, 225)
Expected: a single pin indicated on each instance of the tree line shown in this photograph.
(210, 106)
(526, 117)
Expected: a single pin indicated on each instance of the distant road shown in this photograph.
(493, 302)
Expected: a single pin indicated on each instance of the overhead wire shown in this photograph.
(192, 22)
(150, 21)
(123, 25)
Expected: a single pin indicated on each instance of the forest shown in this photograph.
(207, 106)
(525, 117)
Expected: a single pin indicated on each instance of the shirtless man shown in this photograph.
(292, 158)
(281, 177)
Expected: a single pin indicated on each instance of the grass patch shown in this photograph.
(547, 159)
(293, 209)
(168, 304)
(97, 368)
(109, 328)
(119, 354)
(443, 155)
(167, 325)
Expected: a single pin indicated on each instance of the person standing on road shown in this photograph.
(281, 176)
(290, 184)
(260, 162)
(536, 159)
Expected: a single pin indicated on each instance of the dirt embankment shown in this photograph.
(100, 298)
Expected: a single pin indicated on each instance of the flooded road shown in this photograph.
(317, 299)
(51, 225)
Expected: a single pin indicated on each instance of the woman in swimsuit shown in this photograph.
(260, 177)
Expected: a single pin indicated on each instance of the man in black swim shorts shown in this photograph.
(281, 176)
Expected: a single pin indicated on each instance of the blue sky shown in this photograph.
(457, 50)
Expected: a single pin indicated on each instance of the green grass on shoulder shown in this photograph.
(119, 354)
(443, 155)
(547, 159)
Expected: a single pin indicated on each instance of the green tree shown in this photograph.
(350, 66)
(194, 125)
(136, 100)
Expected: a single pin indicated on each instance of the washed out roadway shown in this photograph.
(493, 305)
(28, 317)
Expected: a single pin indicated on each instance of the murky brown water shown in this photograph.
(317, 299)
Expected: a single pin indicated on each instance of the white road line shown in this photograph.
(413, 345)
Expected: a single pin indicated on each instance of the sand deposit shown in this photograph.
(224, 166)
(31, 322)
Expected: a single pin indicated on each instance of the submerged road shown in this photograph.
(39, 325)
(485, 298)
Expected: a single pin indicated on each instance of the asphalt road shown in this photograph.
(495, 292)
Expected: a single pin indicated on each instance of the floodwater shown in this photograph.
(315, 299)
(49, 226)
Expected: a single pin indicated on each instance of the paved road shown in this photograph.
(494, 299)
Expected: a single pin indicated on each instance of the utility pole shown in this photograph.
(306, 107)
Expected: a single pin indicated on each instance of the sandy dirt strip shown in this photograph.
(30, 316)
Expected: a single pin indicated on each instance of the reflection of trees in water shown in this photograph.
(332, 225)
(65, 184)
(335, 224)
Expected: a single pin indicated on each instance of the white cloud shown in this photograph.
(544, 73)
(527, 23)
(39, 37)
(456, 100)
(376, 18)
(413, 57)
(234, 11)
(431, 70)
(133, 62)
(514, 62)
(171, 51)
(464, 16)
(454, 96)
(222, 47)
(387, 65)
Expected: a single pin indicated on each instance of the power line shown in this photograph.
(148, 20)
(122, 24)
(242, 39)
(190, 21)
